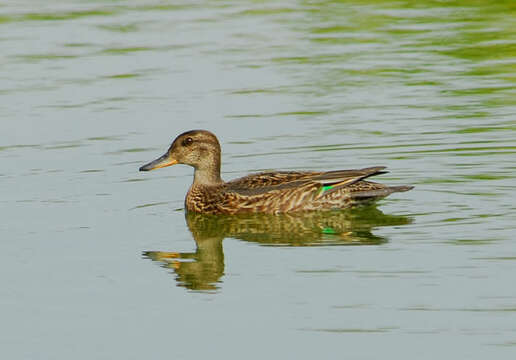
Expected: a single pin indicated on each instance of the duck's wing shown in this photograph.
(322, 183)
(307, 191)
(333, 181)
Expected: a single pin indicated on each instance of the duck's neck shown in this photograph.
(208, 176)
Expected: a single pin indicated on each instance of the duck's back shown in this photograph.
(272, 178)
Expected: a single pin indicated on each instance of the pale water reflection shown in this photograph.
(204, 268)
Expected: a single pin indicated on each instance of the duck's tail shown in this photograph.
(379, 193)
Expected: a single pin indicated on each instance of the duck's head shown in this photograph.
(197, 148)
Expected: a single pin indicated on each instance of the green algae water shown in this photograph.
(99, 261)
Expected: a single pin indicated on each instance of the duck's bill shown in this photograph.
(161, 162)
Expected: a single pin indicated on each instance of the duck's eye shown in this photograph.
(188, 141)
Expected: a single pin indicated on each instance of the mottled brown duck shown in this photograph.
(266, 192)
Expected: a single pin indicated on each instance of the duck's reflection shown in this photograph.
(202, 269)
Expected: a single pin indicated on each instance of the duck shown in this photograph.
(270, 192)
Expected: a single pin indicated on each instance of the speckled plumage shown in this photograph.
(267, 192)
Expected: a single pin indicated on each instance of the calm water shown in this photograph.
(97, 260)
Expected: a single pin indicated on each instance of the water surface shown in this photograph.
(99, 261)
